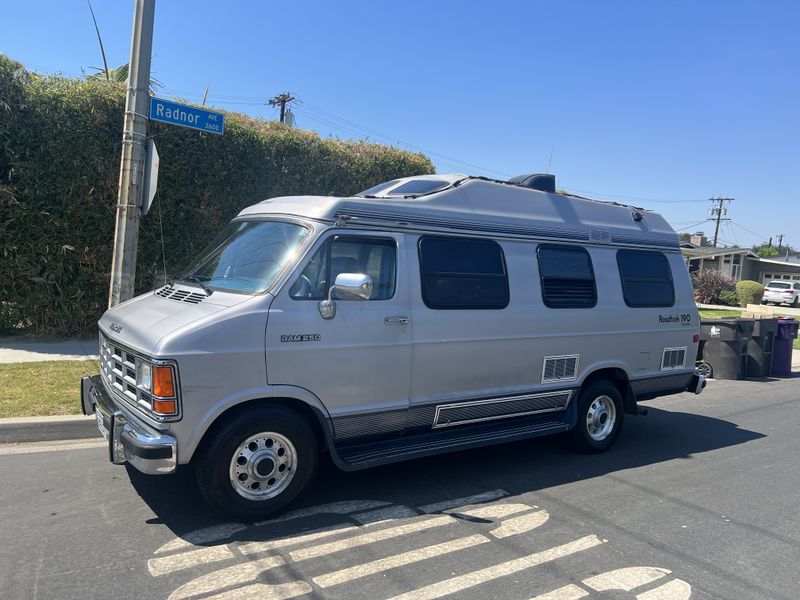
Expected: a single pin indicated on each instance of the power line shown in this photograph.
(692, 226)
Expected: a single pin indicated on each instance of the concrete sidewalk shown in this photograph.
(26, 349)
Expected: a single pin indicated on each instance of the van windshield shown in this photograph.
(247, 256)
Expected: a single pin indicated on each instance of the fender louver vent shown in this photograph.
(180, 295)
(560, 368)
(673, 358)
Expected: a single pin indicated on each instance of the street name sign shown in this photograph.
(186, 116)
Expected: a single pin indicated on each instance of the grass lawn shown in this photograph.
(39, 389)
(719, 314)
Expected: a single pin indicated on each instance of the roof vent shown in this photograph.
(536, 181)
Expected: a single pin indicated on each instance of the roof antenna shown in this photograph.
(550, 160)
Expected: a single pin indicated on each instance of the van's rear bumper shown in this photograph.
(666, 385)
(129, 440)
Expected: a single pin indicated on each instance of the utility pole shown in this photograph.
(132, 164)
(780, 241)
(717, 213)
(282, 100)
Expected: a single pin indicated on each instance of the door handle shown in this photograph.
(396, 321)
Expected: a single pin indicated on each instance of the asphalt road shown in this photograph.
(699, 499)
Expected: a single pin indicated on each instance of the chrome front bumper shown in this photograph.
(129, 440)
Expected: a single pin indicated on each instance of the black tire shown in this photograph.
(588, 441)
(794, 302)
(214, 466)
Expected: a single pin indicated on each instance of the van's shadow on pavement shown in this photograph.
(528, 466)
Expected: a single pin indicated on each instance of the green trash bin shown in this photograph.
(759, 348)
(725, 346)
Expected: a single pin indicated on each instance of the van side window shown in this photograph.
(567, 277)
(376, 257)
(462, 273)
(646, 278)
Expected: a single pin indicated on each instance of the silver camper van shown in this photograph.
(424, 315)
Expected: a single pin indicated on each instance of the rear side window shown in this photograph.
(646, 278)
(567, 277)
(459, 273)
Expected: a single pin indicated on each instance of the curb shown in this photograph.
(42, 429)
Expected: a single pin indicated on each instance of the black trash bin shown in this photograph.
(725, 346)
(759, 349)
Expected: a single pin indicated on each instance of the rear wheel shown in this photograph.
(794, 302)
(704, 369)
(600, 417)
(257, 463)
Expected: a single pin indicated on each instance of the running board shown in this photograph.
(362, 456)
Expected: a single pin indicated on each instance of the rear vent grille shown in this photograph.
(673, 358)
(180, 295)
(560, 368)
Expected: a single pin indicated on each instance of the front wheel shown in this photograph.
(257, 463)
(600, 416)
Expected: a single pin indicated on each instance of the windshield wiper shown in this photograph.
(198, 281)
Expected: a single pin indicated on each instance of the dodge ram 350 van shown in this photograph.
(424, 315)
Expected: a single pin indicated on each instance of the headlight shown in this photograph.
(144, 377)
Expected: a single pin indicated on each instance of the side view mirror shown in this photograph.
(348, 286)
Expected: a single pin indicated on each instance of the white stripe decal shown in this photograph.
(625, 579)
(178, 562)
(217, 533)
(463, 582)
(476, 499)
(263, 591)
(370, 538)
(255, 547)
(398, 560)
(235, 575)
(521, 524)
(568, 592)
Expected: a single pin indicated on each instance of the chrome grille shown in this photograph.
(118, 368)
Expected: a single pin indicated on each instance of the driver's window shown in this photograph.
(376, 257)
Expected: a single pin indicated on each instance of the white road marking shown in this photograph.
(336, 508)
(388, 513)
(568, 592)
(677, 589)
(237, 574)
(625, 579)
(207, 535)
(520, 524)
(317, 534)
(493, 511)
(398, 560)
(263, 591)
(186, 560)
(463, 582)
(476, 499)
(370, 538)
(52, 446)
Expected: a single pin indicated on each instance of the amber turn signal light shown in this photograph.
(163, 383)
(165, 407)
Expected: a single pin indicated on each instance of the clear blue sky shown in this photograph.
(662, 104)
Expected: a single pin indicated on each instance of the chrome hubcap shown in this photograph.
(263, 466)
(600, 418)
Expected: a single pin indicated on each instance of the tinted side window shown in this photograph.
(460, 273)
(646, 278)
(375, 257)
(567, 277)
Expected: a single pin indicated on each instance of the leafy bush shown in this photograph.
(728, 298)
(749, 292)
(59, 170)
(709, 285)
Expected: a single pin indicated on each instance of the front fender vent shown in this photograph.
(180, 295)
(560, 368)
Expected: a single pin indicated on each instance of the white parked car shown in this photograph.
(425, 315)
(782, 292)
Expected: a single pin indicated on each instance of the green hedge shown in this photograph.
(749, 292)
(59, 167)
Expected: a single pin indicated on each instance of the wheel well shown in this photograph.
(294, 404)
(620, 379)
